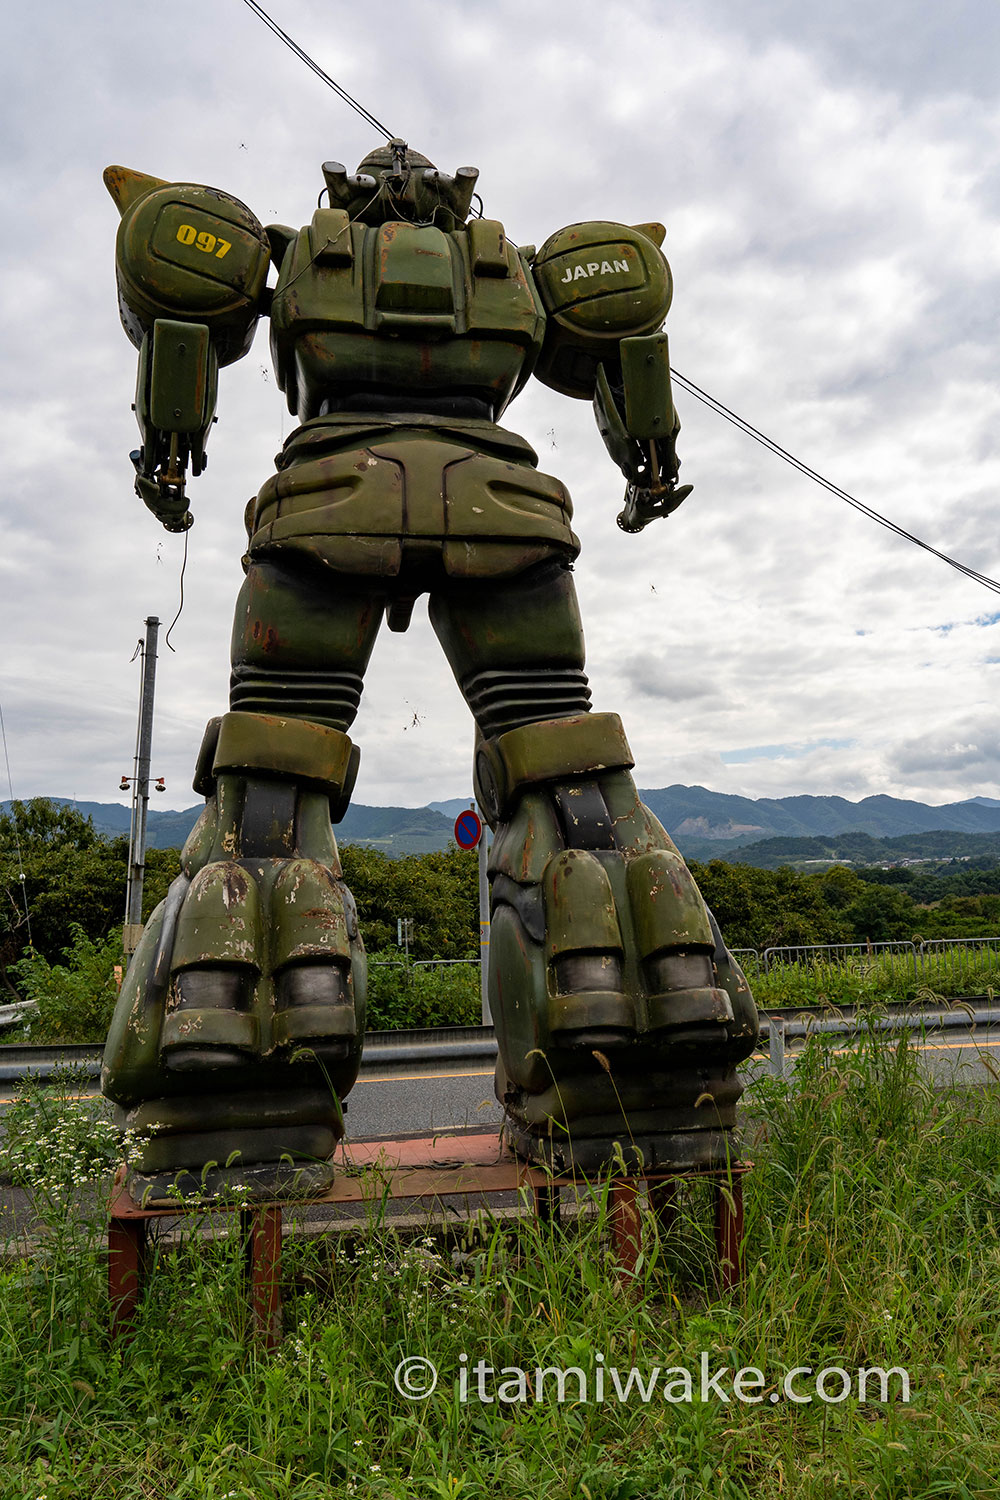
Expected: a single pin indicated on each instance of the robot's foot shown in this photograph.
(593, 1122)
(243, 1148)
(644, 1150)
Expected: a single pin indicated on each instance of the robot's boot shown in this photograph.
(620, 1015)
(240, 1024)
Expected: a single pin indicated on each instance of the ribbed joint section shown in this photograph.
(324, 697)
(510, 700)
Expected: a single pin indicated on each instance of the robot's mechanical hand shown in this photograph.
(643, 505)
(163, 495)
(652, 490)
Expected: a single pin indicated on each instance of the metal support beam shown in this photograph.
(140, 792)
(484, 927)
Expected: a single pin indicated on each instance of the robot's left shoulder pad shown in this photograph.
(599, 258)
(599, 282)
(190, 253)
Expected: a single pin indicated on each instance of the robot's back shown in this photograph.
(371, 312)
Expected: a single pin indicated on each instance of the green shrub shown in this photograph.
(75, 999)
(403, 996)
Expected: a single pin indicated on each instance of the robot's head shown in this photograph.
(394, 182)
(396, 160)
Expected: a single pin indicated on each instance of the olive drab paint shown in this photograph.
(401, 328)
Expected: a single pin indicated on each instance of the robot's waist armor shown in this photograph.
(399, 313)
(355, 494)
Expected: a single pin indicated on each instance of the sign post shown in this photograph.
(469, 834)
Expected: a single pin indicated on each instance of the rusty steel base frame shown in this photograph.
(427, 1167)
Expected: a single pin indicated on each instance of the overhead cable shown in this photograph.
(300, 53)
(835, 489)
(180, 606)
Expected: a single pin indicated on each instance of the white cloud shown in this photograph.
(828, 180)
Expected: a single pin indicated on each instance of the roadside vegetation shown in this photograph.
(73, 894)
(871, 1241)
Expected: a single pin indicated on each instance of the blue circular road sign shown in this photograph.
(468, 829)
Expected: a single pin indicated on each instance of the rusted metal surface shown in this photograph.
(127, 1267)
(261, 1230)
(425, 1167)
(626, 1225)
(729, 1229)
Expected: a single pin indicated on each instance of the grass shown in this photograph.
(871, 1237)
(76, 999)
(877, 978)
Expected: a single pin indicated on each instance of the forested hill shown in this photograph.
(394, 830)
(977, 850)
(704, 824)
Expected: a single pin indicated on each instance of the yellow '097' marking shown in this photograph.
(209, 244)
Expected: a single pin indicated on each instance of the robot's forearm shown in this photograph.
(175, 408)
(639, 424)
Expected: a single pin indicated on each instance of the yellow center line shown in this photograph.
(412, 1077)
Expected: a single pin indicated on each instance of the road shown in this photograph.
(408, 1102)
(394, 1099)
(402, 1091)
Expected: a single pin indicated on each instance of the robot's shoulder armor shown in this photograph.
(599, 283)
(189, 253)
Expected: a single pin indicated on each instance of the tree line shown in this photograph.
(74, 881)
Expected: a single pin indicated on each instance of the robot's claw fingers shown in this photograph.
(167, 502)
(643, 505)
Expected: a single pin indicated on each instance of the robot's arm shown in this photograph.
(639, 424)
(192, 266)
(606, 289)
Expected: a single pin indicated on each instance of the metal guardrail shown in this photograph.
(961, 951)
(427, 1050)
(13, 1015)
(844, 955)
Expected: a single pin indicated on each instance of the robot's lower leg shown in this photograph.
(240, 1024)
(619, 1014)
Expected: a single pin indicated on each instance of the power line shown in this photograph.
(688, 385)
(300, 53)
(803, 468)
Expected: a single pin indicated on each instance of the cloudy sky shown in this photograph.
(828, 175)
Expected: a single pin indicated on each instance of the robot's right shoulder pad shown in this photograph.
(189, 253)
(599, 283)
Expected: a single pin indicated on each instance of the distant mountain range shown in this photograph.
(704, 824)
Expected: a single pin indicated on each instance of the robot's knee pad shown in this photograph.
(548, 754)
(278, 784)
(313, 756)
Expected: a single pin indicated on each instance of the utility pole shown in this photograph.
(140, 792)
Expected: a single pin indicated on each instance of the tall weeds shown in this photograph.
(871, 1240)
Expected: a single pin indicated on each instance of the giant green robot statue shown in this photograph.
(401, 328)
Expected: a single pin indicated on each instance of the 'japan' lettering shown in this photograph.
(595, 268)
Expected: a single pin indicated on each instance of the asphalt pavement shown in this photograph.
(416, 1102)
